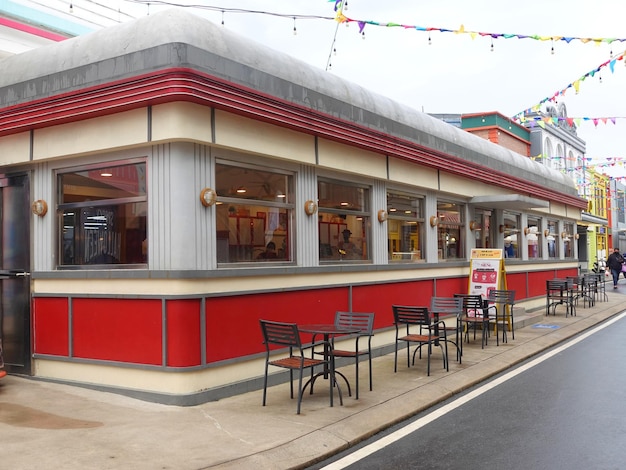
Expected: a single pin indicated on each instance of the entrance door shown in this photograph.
(14, 273)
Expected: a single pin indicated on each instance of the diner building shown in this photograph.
(166, 183)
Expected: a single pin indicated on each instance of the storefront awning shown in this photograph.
(509, 201)
(593, 219)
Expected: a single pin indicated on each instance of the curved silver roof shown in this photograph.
(179, 38)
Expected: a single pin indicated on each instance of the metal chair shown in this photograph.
(450, 307)
(559, 292)
(287, 335)
(419, 317)
(365, 322)
(475, 314)
(502, 301)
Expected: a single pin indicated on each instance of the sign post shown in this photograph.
(486, 271)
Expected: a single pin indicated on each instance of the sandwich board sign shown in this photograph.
(486, 271)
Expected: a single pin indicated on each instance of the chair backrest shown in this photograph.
(502, 296)
(281, 334)
(556, 285)
(410, 315)
(352, 320)
(471, 301)
(446, 306)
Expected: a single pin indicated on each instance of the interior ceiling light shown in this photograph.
(106, 174)
(241, 190)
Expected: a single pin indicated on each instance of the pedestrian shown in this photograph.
(615, 262)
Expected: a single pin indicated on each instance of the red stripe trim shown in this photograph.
(31, 30)
(180, 84)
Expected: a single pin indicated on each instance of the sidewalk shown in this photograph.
(53, 426)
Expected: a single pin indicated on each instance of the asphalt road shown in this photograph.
(566, 412)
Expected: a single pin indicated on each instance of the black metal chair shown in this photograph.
(559, 292)
(503, 301)
(475, 314)
(286, 335)
(410, 318)
(365, 323)
(450, 307)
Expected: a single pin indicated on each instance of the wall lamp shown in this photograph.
(40, 207)
(310, 207)
(434, 220)
(208, 197)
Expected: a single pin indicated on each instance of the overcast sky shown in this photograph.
(456, 73)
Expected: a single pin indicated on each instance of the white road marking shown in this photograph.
(414, 426)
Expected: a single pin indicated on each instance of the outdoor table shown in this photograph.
(328, 331)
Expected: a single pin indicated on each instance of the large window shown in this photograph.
(552, 238)
(510, 230)
(568, 240)
(103, 215)
(343, 219)
(450, 231)
(254, 214)
(533, 237)
(405, 227)
(481, 228)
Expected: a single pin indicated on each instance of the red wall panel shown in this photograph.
(379, 298)
(128, 330)
(51, 326)
(232, 326)
(183, 333)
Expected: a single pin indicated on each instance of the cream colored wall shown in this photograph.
(344, 158)
(105, 133)
(402, 171)
(257, 137)
(181, 121)
(15, 148)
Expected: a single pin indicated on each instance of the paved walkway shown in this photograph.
(53, 426)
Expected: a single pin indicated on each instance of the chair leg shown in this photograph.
(369, 358)
(299, 389)
(356, 375)
(265, 383)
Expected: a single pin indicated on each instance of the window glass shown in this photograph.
(253, 214)
(481, 228)
(405, 227)
(568, 240)
(450, 231)
(343, 221)
(103, 216)
(553, 246)
(533, 237)
(511, 233)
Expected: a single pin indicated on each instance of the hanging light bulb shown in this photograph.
(222, 17)
(552, 47)
(334, 51)
(491, 44)
(295, 31)
(429, 41)
(71, 8)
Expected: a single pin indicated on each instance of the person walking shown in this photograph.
(615, 262)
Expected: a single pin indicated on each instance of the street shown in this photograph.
(562, 412)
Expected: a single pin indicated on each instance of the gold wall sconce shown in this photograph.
(473, 225)
(526, 230)
(40, 207)
(382, 215)
(310, 207)
(208, 197)
(546, 232)
(501, 229)
(434, 220)
(576, 236)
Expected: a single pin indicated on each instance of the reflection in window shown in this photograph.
(253, 214)
(511, 232)
(533, 237)
(450, 231)
(568, 240)
(103, 213)
(404, 227)
(552, 238)
(343, 221)
(481, 228)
